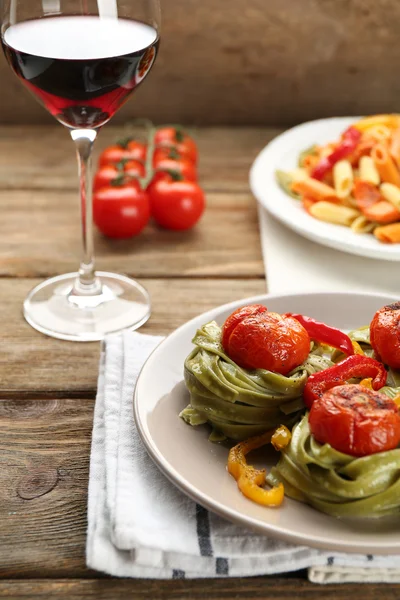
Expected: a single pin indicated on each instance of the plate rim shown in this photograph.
(200, 497)
(349, 246)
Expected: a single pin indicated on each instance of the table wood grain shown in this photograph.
(48, 387)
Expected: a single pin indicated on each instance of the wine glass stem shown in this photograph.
(84, 140)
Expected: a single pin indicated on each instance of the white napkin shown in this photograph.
(140, 525)
(295, 264)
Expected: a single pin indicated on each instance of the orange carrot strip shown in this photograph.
(382, 212)
(315, 189)
(385, 164)
(390, 234)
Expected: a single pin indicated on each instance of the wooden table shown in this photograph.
(48, 387)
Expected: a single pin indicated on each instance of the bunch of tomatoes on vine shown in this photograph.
(136, 181)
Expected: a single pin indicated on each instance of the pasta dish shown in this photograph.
(328, 402)
(353, 181)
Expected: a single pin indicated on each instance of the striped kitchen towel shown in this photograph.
(140, 525)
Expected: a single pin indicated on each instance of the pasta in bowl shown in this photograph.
(353, 181)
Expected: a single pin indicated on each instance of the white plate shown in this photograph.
(198, 467)
(282, 153)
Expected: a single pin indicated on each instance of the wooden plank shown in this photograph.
(261, 63)
(43, 157)
(44, 458)
(40, 237)
(31, 362)
(257, 588)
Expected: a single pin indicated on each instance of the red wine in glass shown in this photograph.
(81, 68)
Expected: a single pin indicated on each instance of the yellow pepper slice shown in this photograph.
(397, 400)
(392, 121)
(248, 478)
(357, 348)
(367, 383)
(281, 438)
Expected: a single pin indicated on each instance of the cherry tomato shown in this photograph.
(109, 173)
(184, 168)
(176, 205)
(259, 339)
(128, 149)
(121, 211)
(163, 152)
(236, 317)
(134, 168)
(177, 138)
(104, 176)
(355, 420)
(385, 334)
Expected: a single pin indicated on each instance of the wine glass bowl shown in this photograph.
(82, 59)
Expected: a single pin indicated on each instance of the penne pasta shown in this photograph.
(390, 234)
(298, 174)
(284, 180)
(385, 165)
(368, 171)
(362, 225)
(394, 147)
(357, 182)
(333, 213)
(380, 133)
(350, 201)
(391, 193)
(343, 178)
(314, 189)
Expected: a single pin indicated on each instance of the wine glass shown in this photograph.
(82, 59)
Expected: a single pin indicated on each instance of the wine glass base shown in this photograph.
(55, 310)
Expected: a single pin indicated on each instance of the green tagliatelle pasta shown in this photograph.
(237, 402)
(336, 483)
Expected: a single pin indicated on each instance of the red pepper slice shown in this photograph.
(349, 142)
(320, 332)
(353, 366)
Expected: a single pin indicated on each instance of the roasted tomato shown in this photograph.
(259, 339)
(236, 317)
(355, 420)
(385, 334)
